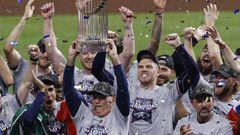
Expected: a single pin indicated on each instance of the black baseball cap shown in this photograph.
(47, 79)
(225, 71)
(145, 54)
(168, 61)
(104, 89)
(201, 89)
(41, 45)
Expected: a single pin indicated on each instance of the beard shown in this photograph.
(205, 70)
(225, 90)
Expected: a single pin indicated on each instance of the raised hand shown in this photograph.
(199, 33)
(126, 14)
(28, 10)
(33, 51)
(37, 82)
(111, 48)
(47, 10)
(212, 32)
(210, 14)
(160, 4)
(173, 40)
(188, 32)
(112, 35)
(72, 51)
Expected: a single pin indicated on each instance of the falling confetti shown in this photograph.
(1, 38)
(19, 1)
(86, 17)
(148, 22)
(236, 11)
(119, 30)
(64, 41)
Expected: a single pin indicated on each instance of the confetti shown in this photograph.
(148, 22)
(13, 43)
(64, 41)
(1, 38)
(19, 1)
(86, 17)
(236, 11)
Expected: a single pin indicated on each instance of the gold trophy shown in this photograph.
(92, 25)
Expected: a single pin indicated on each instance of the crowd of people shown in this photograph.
(112, 94)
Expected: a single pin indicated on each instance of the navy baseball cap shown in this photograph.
(225, 71)
(47, 79)
(41, 45)
(167, 59)
(145, 54)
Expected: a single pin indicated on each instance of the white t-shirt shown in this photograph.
(217, 125)
(151, 110)
(88, 124)
(10, 106)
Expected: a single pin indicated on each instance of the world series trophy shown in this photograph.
(92, 25)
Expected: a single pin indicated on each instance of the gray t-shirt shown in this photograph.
(84, 82)
(19, 74)
(151, 110)
(217, 125)
(10, 106)
(88, 124)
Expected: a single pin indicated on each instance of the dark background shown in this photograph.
(11, 7)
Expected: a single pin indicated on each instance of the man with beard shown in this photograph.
(45, 58)
(166, 69)
(39, 117)
(204, 121)
(226, 85)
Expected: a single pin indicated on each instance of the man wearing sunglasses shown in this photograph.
(204, 121)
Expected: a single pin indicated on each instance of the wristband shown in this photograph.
(46, 36)
(34, 60)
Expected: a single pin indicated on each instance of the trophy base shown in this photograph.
(92, 47)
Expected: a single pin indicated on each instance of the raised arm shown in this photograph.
(26, 85)
(157, 26)
(12, 55)
(211, 15)
(99, 71)
(5, 73)
(230, 57)
(190, 77)
(188, 35)
(30, 115)
(128, 39)
(54, 53)
(123, 98)
(73, 98)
